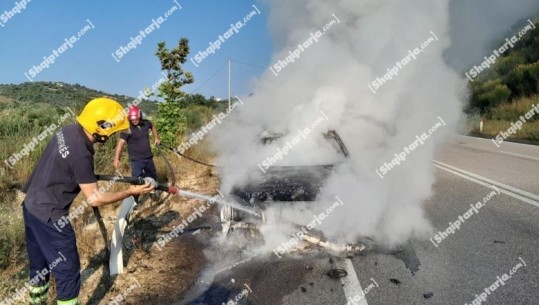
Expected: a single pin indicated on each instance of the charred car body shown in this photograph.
(284, 185)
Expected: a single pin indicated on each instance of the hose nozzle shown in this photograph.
(151, 181)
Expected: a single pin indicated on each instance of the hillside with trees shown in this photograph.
(509, 89)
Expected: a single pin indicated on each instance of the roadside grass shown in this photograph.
(12, 245)
(499, 119)
(529, 131)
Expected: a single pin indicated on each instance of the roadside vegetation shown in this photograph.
(508, 89)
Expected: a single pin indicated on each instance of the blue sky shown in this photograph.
(26, 38)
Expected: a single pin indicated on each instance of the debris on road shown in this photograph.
(337, 273)
(428, 295)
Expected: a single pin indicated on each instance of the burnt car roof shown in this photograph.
(289, 183)
(285, 183)
(267, 137)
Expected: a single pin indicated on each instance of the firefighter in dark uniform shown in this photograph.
(138, 145)
(65, 168)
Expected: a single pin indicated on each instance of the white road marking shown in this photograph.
(519, 155)
(506, 189)
(351, 285)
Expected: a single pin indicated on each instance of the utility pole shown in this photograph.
(229, 68)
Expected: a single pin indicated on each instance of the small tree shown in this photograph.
(171, 121)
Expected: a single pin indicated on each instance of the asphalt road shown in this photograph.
(501, 237)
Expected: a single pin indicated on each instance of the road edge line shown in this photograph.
(506, 189)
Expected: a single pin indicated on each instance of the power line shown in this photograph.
(211, 77)
(247, 64)
(219, 70)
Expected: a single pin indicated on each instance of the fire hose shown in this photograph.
(175, 191)
(115, 253)
(186, 157)
(129, 204)
(140, 181)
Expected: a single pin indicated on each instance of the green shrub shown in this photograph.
(490, 94)
(171, 122)
(197, 116)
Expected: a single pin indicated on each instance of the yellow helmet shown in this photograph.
(102, 117)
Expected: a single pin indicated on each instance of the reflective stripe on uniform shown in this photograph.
(39, 289)
(39, 294)
(39, 300)
(68, 302)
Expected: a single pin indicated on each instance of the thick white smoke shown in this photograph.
(331, 76)
(478, 27)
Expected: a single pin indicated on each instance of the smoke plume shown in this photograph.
(330, 78)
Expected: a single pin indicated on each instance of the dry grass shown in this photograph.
(529, 131)
(512, 111)
(499, 119)
(12, 244)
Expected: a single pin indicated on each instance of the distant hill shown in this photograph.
(57, 94)
(27, 108)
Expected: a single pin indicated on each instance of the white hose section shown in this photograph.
(116, 262)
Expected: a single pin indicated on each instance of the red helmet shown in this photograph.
(134, 113)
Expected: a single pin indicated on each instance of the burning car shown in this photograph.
(285, 184)
(279, 186)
